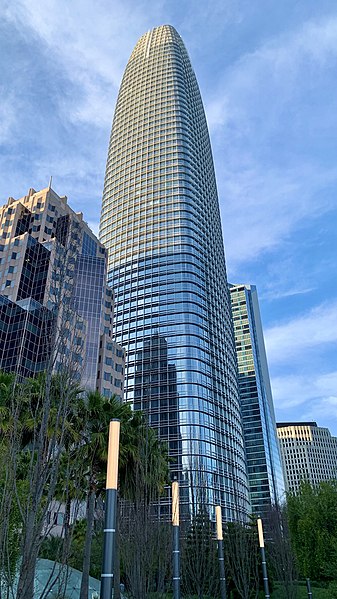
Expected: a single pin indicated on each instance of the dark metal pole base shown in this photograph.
(176, 563)
(108, 544)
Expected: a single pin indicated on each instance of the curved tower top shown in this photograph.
(161, 224)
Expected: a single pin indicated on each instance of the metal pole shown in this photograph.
(309, 588)
(110, 512)
(176, 549)
(263, 559)
(221, 558)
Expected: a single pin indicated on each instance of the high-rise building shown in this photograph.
(309, 453)
(56, 310)
(265, 475)
(161, 225)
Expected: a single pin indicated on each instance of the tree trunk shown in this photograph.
(25, 589)
(66, 528)
(84, 592)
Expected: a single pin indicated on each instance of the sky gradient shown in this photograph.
(267, 74)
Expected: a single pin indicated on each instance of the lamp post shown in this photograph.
(176, 549)
(263, 559)
(309, 588)
(219, 536)
(110, 511)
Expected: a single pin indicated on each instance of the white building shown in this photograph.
(309, 453)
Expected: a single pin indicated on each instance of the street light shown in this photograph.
(263, 559)
(110, 511)
(176, 550)
(219, 537)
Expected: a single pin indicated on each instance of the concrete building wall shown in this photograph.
(309, 453)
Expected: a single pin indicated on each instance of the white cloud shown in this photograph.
(327, 412)
(271, 76)
(309, 397)
(294, 390)
(274, 294)
(260, 208)
(90, 41)
(9, 107)
(266, 123)
(315, 329)
(263, 201)
(215, 15)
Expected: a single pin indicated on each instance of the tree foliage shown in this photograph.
(53, 451)
(200, 569)
(280, 555)
(242, 559)
(143, 540)
(312, 517)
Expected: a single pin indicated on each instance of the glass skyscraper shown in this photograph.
(161, 225)
(56, 310)
(265, 473)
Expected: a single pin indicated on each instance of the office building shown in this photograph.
(265, 475)
(309, 453)
(161, 225)
(56, 310)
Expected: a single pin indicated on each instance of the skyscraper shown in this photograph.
(265, 474)
(161, 225)
(55, 308)
(309, 453)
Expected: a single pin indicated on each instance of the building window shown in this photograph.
(89, 247)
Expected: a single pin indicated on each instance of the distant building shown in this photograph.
(265, 475)
(309, 453)
(56, 310)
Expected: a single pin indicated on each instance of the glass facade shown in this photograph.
(265, 474)
(34, 271)
(25, 331)
(161, 225)
(89, 291)
(55, 307)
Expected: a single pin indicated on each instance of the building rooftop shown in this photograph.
(283, 424)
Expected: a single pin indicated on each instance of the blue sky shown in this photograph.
(267, 73)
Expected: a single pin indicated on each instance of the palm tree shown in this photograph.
(92, 454)
(143, 474)
(143, 460)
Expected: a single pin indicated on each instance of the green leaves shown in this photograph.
(53, 451)
(312, 516)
